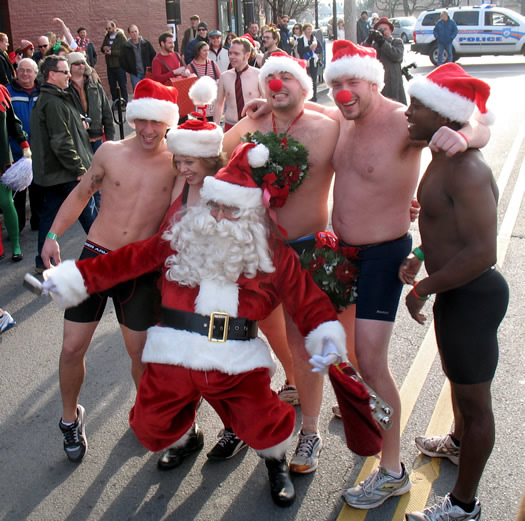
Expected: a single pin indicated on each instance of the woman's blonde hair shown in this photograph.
(213, 164)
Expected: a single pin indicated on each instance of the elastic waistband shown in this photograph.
(365, 246)
(89, 245)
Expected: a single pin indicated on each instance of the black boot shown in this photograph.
(281, 486)
(175, 456)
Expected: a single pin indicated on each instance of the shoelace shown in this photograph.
(371, 481)
(440, 508)
(227, 438)
(71, 434)
(306, 445)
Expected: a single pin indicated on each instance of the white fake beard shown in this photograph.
(216, 250)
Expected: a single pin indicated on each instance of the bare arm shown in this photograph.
(71, 209)
(219, 103)
(477, 136)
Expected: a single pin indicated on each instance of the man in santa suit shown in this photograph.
(223, 270)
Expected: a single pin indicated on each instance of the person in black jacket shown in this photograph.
(136, 56)
(311, 50)
(7, 71)
(202, 36)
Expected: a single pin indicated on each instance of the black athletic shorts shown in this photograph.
(378, 283)
(466, 320)
(137, 302)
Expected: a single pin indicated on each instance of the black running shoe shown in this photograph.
(227, 446)
(75, 441)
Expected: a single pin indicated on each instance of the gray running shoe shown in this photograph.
(377, 488)
(75, 441)
(288, 393)
(306, 457)
(446, 511)
(439, 447)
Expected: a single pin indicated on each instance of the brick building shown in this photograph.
(29, 19)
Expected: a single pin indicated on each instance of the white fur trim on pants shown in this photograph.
(277, 451)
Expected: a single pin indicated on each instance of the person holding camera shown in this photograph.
(390, 52)
(311, 50)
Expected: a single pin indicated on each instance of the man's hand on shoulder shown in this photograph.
(255, 108)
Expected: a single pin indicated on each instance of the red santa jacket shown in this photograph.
(253, 299)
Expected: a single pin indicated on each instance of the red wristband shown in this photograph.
(464, 137)
(416, 293)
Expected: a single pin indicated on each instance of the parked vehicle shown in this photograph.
(482, 30)
(404, 28)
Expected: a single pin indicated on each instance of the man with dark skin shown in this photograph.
(458, 225)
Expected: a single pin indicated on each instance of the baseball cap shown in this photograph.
(215, 32)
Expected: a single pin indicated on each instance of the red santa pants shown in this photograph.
(168, 396)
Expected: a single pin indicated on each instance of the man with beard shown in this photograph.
(286, 85)
(132, 207)
(222, 272)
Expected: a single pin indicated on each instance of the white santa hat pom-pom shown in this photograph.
(488, 118)
(19, 175)
(258, 156)
(203, 91)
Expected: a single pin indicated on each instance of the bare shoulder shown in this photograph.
(322, 121)
(468, 169)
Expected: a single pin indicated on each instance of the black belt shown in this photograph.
(218, 326)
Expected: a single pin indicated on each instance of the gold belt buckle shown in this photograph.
(226, 318)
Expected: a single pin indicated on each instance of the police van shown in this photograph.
(485, 29)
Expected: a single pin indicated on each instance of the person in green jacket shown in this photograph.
(111, 48)
(62, 152)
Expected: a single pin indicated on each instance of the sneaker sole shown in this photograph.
(302, 469)
(452, 459)
(399, 492)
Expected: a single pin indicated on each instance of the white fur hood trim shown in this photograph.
(165, 345)
(333, 330)
(68, 280)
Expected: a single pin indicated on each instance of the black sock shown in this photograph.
(467, 507)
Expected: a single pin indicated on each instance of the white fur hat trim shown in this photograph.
(195, 143)
(231, 194)
(361, 67)
(152, 109)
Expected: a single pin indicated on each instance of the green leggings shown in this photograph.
(10, 218)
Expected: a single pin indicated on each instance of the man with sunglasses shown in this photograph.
(62, 152)
(42, 45)
(202, 36)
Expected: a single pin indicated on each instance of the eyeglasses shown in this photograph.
(62, 72)
(228, 211)
(202, 29)
(43, 46)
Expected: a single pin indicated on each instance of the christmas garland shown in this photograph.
(286, 168)
(333, 269)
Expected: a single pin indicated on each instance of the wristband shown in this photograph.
(418, 252)
(416, 294)
(463, 136)
(51, 235)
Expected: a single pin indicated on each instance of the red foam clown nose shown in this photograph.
(343, 96)
(275, 85)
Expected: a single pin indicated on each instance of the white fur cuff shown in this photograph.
(333, 330)
(69, 284)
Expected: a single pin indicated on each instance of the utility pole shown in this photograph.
(350, 10)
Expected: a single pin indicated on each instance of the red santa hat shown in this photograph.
(234, 185)
(452, 93)
(354, 61)
(198, 137)
(249, 37)
(154, 102)
(282, 62)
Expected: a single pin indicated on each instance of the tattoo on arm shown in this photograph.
(96, 181)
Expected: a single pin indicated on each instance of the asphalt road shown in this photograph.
(118, 479)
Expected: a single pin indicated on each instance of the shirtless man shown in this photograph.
(239, 54)
(371, 195)
(134, 201)
(458, 225)
(290, 87)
